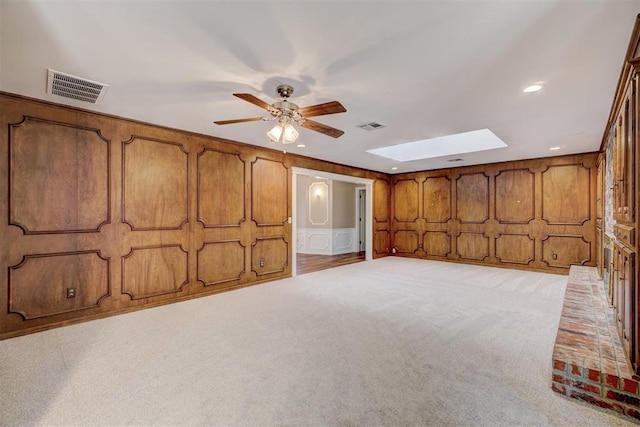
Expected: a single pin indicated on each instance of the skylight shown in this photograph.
(461, 143)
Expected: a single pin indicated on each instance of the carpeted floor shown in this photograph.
(388, 342)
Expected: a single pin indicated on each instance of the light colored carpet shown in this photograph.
(388, 342)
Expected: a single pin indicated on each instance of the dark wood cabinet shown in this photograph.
(622, 139)
(624, 297)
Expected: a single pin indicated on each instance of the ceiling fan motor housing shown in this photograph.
(284, 91)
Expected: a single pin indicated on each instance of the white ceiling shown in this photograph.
(423, 69)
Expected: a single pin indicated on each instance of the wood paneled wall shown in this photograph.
(101, 215)
(535, 214)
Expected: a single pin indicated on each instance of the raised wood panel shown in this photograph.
(221, 187)
(269, 192)
(221, 262)
(437, 243)
(380, 200)
(405, 200)
(154, 184)
(515, 196)
(406, 241)
(269, 255)
(566, 195)
(515, 248)
(58, 177)
(472, 246)
(472, 201)
(564, 251)
(154, 270)
(38, 285)
(437, 199)
(381, 242)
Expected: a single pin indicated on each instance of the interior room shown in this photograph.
(319, 213)
(330, 218)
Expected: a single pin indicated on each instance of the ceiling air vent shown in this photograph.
(371, 126)
(74, 87)
(455, 160)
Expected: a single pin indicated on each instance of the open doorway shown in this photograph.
(331, 217)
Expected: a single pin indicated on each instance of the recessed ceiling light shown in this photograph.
(395, 168)
(301, 145)
(554, 148)
(533, 88)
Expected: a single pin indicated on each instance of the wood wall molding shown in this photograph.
(514, 200)
(560, 250)
(381, 218)
(221, 185)
(406, 241)
(381, 196)
(437, 199)
(472, 246)
(155, 190)
(515, 248)
(48, 157)
(501, 213)
(150, 271)
(269, 192)
(437, 243)
(269, 255)
(472, 201)
(564, 200)
(405, 200)
(39, 283)
(221, 261)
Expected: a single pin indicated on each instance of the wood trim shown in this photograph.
(28, 257)
(197, 192)
(631, 60)
(152, 294)
(123, 183)
(12, 128)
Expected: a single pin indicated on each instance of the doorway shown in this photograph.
(363, 239)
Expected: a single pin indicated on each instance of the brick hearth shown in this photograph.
(588, 357)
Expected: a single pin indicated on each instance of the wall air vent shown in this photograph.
(371, 126)
(455, 160)
(74, 87)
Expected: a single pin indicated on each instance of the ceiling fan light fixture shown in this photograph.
(283, 132)
(275, 133)
(290, 134)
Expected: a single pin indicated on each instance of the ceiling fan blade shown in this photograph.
(254, 100)
(319, 127)
(332, 107)
(229, 122)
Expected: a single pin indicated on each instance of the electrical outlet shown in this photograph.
(555, 256)
(261, 263)
(71, 292)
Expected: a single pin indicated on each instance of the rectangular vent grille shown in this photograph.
(75, 87)
(371, 126)
(455, 160)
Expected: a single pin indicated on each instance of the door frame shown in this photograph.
(360, 214)
(368, 186)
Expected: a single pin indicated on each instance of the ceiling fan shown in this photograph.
(287, 113)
